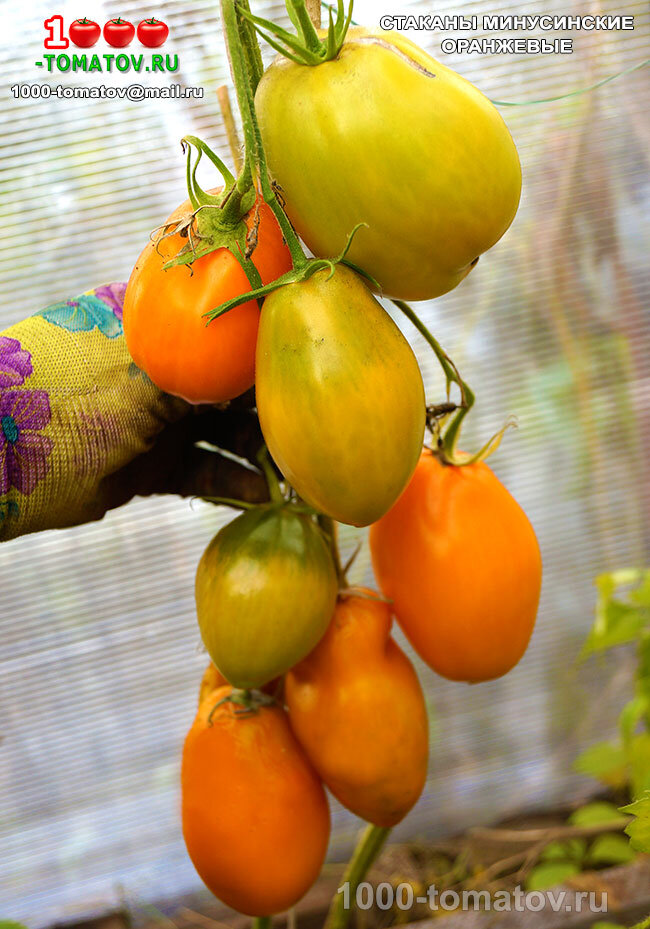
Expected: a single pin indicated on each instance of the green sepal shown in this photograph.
(305, 48)
(216, 220)
(301, 272)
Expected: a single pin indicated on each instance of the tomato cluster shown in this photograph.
(402, 174)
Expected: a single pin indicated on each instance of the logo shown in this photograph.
(67, 51)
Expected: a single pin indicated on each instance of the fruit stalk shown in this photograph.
(262, 922)
(370, 843)
(451, 373)
(255, 151)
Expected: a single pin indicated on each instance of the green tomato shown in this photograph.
(385, 135)
(266, 589)
(339, 396)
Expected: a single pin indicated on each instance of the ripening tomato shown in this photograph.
(356, 707)
(339, 396)
(386, 135)
(164, 326)
(255, 816)
(461, 563)
(265, 590)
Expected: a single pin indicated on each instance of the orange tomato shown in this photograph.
(459, 559)
(212, 680)
(356, 707)
(164, 326)
(256, 821)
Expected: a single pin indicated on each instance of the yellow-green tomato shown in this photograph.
(266, 588)
(339, 396)
(385, 135)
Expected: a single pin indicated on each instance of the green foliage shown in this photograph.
(605, 761)
(571, 850)
(644, 925)
(639, 829)
(596, 814)
(550, 873)
(8, 924)
(561, 860)
(610, 849)
(623, 618)
(605, 925)
(619, 621)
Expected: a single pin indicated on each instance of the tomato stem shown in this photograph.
(329, 529)
(262, 922)
(371, 842)
(446, 444)
(452, 376)
(255, 156)
(250, 46)
(275, 491)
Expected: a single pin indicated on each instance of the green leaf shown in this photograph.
(639, 829)
(551, 873)
(596, 814)
(619, 621)
(571, 850)
(602, 925)
(631, 714)
(610, 850)
(641, 593)
(644, 925)
(8, 924)
(638, 753)
(643, 672)
(606, 761)
(617, 624)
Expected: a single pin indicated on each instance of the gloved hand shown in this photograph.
(82, 429)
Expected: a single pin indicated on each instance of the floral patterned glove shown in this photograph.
(82, 429)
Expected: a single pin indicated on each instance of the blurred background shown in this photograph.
(100, 658)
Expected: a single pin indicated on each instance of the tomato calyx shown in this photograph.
(281, 494)
(305, 48)
(244, 702)
(303, 269)
(215, 221)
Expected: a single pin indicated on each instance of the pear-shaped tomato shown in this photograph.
(386, 135)
(265, 590)
(460, 561)
(339, 396)
(255, 816)
(357, 709)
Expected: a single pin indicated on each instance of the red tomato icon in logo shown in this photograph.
(84, 32)
(118, 32)
(152, 32)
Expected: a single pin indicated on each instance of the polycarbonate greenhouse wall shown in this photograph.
(99, 648)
